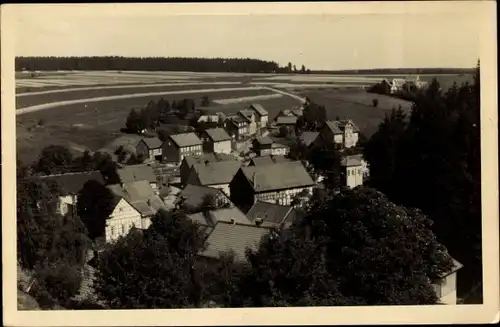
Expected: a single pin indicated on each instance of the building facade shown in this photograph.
(216, 140)
(179, 146)
(342, 133)
(150, 148)
(261, 115)
(123, 218)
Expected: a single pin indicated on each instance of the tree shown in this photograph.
(134, 123)
(303, 69)
(105, 164)
(60, 280)
(205, 101)
(95, 203)
(54, 159)
(284, 131)
(372, 253)
(156, 267)
(375, 103)
(289, 66)
(294, 69)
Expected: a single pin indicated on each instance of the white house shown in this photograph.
(261, 115)
(446, 288)
(123, 218)
(353, 170)
(343, 133)
(216, 140)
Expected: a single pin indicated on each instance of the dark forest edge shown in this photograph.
(228, 65)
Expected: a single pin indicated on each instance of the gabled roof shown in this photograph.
(279, 146)
(232, 214)
(308, 137)
(235, 238)
(193, 195)
(218, 134)
(338, 126)
(213, 173)
(264, 140)
(285, 175)
(269, 212)
(259, 108)
(134, 173)
(352, 160)
(238, 119)
(286, 120)
(72, 183)
(246, 114)
(268, 160)
(152, 142)
(140, 195)
(185, 139)
(210, 157)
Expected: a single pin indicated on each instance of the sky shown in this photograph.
(329, 41)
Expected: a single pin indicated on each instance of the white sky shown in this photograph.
(408, 38)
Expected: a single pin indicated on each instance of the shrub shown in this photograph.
(375, 102)
(41, 122)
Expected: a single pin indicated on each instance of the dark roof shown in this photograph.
(456, 266)
(235, 238)
(185, 139)
(308, 137)
(268, 212)
(140, 195)
(351, 161)
(259, 108)
(153, 142)
(264, 140)
(210, 157)
(227, 215)
(338, 126)
(193, 194)
(279, 176)
(246, 114)
(72, 183)
(213, 173)
(135, 173)
(268, 160)
(238, 119)
(286, 120)
(218, 134)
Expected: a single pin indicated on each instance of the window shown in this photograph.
(348, 172)
(112, 231)
(123, 229)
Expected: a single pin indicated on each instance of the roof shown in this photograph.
(284, 175)
(221, 172)
(238, 119)
(152, 142)
(308, 137)
(210, 157)
(268, 160)
(353, 160)
(337, 126)
(200, 219)
(134, 173)
(456, 266)
(264, 140)
(72, 183)
(259, 108)
(229, 215)
(268, 212)
(193, 194)
(185, 139)
(278, 145)
(286, 120)
(218, 134)
(140, 195)
(235, 238)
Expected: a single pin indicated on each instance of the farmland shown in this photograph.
(87, 109)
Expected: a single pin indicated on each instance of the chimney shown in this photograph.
(258, 221)
(233, 221)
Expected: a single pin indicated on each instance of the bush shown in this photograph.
(283, 131)
(375, 102)
(41, 122)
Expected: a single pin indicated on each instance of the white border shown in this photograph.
(488, 312)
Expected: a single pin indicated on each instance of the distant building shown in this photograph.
(135, 204)
(238, 127)
(150, 148)
(179, 146)
(250, 117)
(136, 173)
(446, 288)
(353, 170)
(192, 197)
(271, 215)
(70, 185)
(262, 145)
(342, 133)
(261, 115)
(233, 238)
(288, 121)
(214, 174)
(216, 140)
(278, 183)
(189, 162)
(398, 84)
(267, 160)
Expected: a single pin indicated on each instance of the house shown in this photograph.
(288, 121)
(70, 184)
(233, 238)
(238, 127)
(214, 174)
(192, 197)
(150, 148)
(135, 204)
(279, 183)
(271, 215)
(307, 138)
(446, 288)
(353, 170)
(140, 172)
(262, 145)
(179, 146)
(267, 160)
(231, 215)
(188, 162)
(278, 149)
(216, 140)
(261, 115)
(250, 117)
(398, 84)
(215, 118)
(342, 133)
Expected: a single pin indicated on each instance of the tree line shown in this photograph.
(226, 65)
